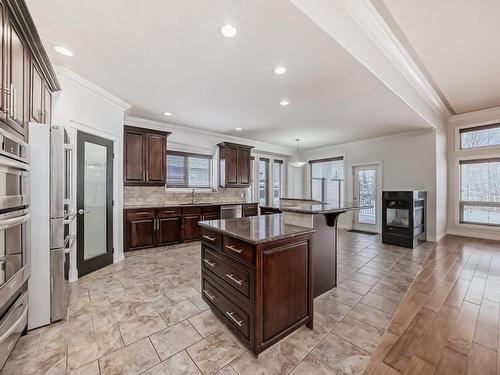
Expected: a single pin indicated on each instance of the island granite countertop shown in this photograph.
(256, 229)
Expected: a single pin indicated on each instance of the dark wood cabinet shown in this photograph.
(249, 209)
(234, 165)
(150, 227)
(27, 78)
(145, 156)
(169, 230)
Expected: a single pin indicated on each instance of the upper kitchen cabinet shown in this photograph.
(27, 79)
(145, 156)
(234, 165)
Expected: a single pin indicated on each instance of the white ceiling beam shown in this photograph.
(360, 29)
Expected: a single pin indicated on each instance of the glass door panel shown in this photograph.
(366, 193)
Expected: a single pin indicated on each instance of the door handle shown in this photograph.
(81, 211)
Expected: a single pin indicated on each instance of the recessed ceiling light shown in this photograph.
(238, 129)
(167, 113)
(284, 103)
(279, 70)
(63, 51)
(229, 31)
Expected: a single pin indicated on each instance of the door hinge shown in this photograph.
(112, 250)
(113, 156)
(113, 202)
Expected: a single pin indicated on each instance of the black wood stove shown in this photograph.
(403, 217)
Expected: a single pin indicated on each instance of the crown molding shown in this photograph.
(68, 76)
(373, 24)
(479, 117)
(165, 126)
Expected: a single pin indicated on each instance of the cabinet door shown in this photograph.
(190, 229)
(231, 154)
(141, 233)
(244, 166)
(156, 159)
(4, 99)
(134, 157)
(169, 230)
(36, 95)
(47, 105)
(16, 77)
(211, 216)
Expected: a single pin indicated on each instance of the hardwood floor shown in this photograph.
(448, 321)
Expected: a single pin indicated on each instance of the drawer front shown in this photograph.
(140, 214)
(211, 238)
(169, 212)
(191, 210)
(239, 318)
(250, 206)
(239, 250)
(234, 276)
(211, 209)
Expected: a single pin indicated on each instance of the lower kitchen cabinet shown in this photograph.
(169, 230)
(151, 227)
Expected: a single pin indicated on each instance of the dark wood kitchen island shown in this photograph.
(322, 217)
(257, 277)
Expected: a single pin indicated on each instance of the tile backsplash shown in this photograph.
(143, 195)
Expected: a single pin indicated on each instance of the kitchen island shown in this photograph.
(257, 277)
(322, 217)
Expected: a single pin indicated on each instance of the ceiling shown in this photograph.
(168, 55)
(457, 44)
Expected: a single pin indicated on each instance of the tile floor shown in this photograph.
(145, 315)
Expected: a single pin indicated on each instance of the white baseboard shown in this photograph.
(487, 235)
(118, 258)
(73, 275)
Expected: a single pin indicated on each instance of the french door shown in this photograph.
(367, 192)
(94, 203)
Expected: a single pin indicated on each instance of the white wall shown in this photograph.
(408, 162)
(477, 118)
(83, 106)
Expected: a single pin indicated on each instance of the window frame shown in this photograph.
(462, 203)
(325, 160)
(186, 156)
(472, 128)
(267, 180)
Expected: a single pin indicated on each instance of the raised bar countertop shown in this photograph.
(197, 204)
(314, 207)
(256, 229)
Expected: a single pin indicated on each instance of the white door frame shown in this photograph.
(378, 165)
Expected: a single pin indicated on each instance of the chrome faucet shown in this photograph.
(194, 198)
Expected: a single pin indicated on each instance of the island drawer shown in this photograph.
(239, 249)
(191, 210)
(211, 238)
(211, 209)
(232, 275)
(237, 317)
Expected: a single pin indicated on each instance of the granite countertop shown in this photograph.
(197, 204)
(256, 229)
(314, 207)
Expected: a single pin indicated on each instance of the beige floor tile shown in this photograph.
(206, 323)
(131, 360)
(331, 308)
(135, 329)
(181, 293)
(370, 315)
(341, 356)
(60, 335)
(179, 311)
(214, 352)
(113, 316)
(26, 346)
(228, 370)
(199, 303)
(150, 304)
(179, 364)
(89, 369)
(174, 339)
(268, 362)
(52, 362)
(311, 365)
(360, 334)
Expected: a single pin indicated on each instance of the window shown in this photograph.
(188, 170)
(263, 180)
(480, 136)
(277, 176)
(480, 191)
(327, 180)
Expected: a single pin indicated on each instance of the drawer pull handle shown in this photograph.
(207, 293)
(143, 213)
(231, 315)
(207, 261)
(209, 238)
(232, 278)
(167, 212)
(239, 251)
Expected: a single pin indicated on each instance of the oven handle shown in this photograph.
(7, 162)
(9, 223)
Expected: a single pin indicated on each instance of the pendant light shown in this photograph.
(296, 162)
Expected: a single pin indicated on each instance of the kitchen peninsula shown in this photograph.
(322, 217)
(257, 276)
